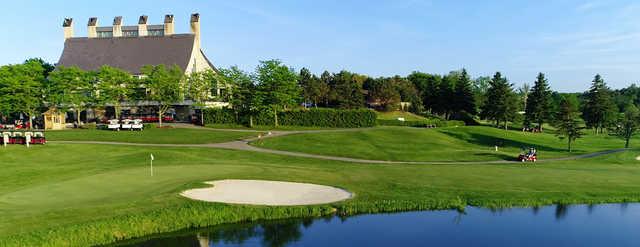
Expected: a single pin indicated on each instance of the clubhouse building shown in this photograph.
(130, 48)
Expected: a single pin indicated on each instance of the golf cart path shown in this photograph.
(243, 145)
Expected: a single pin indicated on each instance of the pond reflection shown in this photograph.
(558, 225)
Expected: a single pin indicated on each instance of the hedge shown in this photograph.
(421, 123)
(316, 117)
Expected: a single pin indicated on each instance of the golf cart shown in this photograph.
(137, 125)
(38, 138)
(531, 155)
(114, 124)
(126, 124)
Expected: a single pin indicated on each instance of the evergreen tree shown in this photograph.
(445, 96)
(306, 82)
(464, 101)
(347, 90)
(501, 102)
(567, 123)
(524, 91)
(428, 88)
(326, 80)
(598, 110)
(538, 105)
(314, 90)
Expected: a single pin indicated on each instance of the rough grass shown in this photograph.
(79, 195)
(151, 135)
(469, 143)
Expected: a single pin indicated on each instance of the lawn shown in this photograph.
(394, 115)
(471, 143)
(80, 194)
(151, 135)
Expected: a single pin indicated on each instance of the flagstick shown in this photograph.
(151, 158)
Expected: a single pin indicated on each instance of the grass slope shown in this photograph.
(151, 135)
(394, 115)
(470, 143)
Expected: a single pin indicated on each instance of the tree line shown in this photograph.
(34, 85)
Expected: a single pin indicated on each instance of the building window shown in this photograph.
(105, 34)
(155, 32)
(130, 33)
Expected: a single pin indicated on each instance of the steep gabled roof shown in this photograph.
(128, 53)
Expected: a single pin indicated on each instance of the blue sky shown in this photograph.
(569, 40)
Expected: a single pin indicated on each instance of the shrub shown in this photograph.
(421, 123)
(321, 117)
(219, 116)
(88, 126)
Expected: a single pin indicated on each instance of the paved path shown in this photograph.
(244, 146)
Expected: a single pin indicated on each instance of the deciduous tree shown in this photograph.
(70, 88)
(277, 86)
(165, 87)
(627, 124)
(244, 97)
(114, 87)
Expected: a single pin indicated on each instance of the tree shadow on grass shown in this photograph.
(490, 141)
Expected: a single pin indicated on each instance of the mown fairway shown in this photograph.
(150, 135)
(62, 185)
(473, 143)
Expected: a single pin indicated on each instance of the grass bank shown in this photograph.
(468, 143)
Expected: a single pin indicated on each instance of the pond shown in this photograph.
(561, 225)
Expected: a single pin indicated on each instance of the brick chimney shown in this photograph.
(142, 26)
(91, 27)
(67, 26)
(117, 26)
(195, 28)
(168, 25)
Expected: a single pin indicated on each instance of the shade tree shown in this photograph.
(277, 86)
(165, 86)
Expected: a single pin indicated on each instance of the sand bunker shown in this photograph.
(272, 193)
(638, 158)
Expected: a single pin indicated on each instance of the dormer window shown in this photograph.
(130, 33)
(105, 34)
(155, 32)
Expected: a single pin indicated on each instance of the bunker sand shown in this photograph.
(271, 193)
